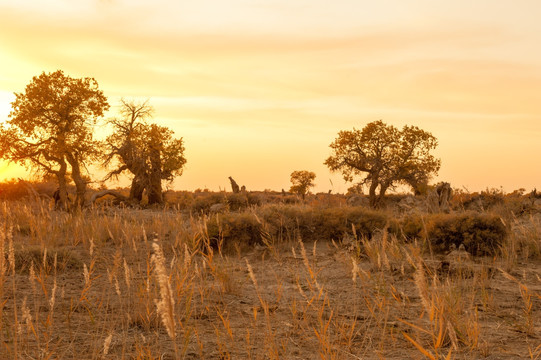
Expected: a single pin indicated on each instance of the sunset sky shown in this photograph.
(260, 88)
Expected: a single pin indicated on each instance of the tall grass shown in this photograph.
(278, 281)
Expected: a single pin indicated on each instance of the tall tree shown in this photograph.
(51, 126)
(148, 151)
(384, 156)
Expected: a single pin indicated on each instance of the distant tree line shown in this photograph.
(51, 130)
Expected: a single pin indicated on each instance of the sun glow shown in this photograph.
(5, 104)
(4, 170)
(258, 91)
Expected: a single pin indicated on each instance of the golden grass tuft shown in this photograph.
(166, 303)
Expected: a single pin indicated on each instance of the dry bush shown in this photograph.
(288, 222)
(334, 223)
(204, 200)
(480, 201)
(235, 202)
(12, 190)
(514, 204)
(481, 234)
(15, 189)
(410, 227)
(241, 201)
(525, 240)
(324, 200)
(224, 230)
(179, 199)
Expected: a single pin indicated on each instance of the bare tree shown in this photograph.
(147, 151)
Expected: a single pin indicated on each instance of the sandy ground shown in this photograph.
(299, 307)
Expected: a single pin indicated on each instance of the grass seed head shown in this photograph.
(166, 304)
(107, 344)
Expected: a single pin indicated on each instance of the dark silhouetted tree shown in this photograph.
(147, 151)
(51, 127)
(384, 156)
(301, 182)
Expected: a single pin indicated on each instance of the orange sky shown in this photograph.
(258, 89)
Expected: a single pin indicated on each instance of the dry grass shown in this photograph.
(138, 284)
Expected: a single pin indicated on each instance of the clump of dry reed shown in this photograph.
(166, 304)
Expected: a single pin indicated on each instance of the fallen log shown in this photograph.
(100, 194)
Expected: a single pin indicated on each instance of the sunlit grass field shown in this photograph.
(270, 279)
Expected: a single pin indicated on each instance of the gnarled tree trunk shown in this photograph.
(137, 188)
(103, 193)
(155, 195)
(80, 183)
(62, 202)
(372, 197)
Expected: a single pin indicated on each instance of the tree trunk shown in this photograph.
(61, 202)
(379, 199)
(155, 184)
(103, 193)
(137, 188)
(80, 183)
(372, 197)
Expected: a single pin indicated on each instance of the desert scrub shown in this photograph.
(235, 202)
(241, 201)
(409, 228)
(481, 234)
(487, 199)
(203, 201)
(334, 223)
(321, 223)
(287, 222)
(224, 230)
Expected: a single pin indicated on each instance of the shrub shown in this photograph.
(287, 222)
(487, 199)
(229, 228)
(15, 189)
(334, 223)
(204, 200)
(409, 228)
(323, 224)
(481, 234)
(235, 202)
(242, 201)
(179, 199)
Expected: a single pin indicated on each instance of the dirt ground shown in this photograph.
(310, 301)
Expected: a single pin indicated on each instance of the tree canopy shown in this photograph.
(302, 181)
(384, 156)
(51, 126)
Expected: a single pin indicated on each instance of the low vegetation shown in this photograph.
(267, 275)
